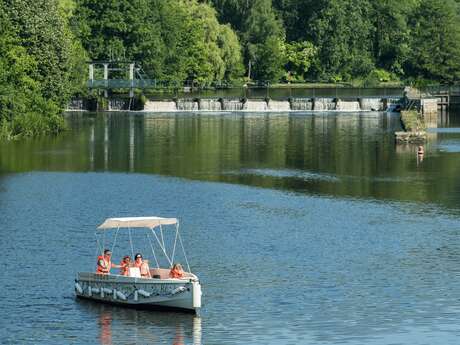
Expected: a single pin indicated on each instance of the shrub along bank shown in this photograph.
(40, 62)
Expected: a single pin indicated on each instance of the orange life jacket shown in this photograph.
(103, 269)
(124, 269)
(176, 273)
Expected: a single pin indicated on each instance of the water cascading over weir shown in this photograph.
(318, 104)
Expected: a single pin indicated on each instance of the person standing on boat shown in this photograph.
(104, 264)
(142, 265)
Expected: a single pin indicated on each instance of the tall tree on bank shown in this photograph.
(297, 16)
(199, 48)
(44, 33)
(264, 42)
(391, 33)
(173, 40)
(435, 41)
(342, 31)
(233, 12)
(38, 61)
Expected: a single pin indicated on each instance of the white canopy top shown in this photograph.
(136, 222)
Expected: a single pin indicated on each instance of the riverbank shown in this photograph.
(414, 128)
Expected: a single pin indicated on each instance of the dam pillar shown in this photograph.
(131, 79)
(91, 73)
(106, 78)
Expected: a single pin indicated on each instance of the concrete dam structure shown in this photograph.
(317, 104)
(266, 105)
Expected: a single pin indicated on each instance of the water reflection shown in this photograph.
(105, 325)
(119, 325)
(349, 154)
(420, 154)
(277, 267)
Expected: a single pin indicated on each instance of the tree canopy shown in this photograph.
(173, 40)
(353, 39)
(38, 58)
(44, 45)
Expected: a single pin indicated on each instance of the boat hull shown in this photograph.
(181, 294)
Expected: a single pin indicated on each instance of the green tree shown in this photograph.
(435, 41)
(299, 58)
(391, 33)
(264, 40)
(23, 109)
(342, 31)
(44, 33)
(233, 12)
(39, 61)
(173, 40)
(230, 52)
(297, 16)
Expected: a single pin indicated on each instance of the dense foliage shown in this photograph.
(352, 40)
(173, 40)
(38, 64)
(44, 45)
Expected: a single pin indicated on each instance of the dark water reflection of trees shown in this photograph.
(349, 155)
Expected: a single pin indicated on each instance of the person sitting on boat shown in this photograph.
(143, 266)
(104, 264)
(176, 271)
(124, 265)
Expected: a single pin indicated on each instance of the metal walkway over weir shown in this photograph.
(108, 75)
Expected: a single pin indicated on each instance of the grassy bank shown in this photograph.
(412, 121)
(31, 125)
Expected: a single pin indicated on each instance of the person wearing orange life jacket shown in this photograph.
(125, 265)
(176, 271)
(143, 266)
(104, 264)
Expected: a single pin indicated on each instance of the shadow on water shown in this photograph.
(117, 325)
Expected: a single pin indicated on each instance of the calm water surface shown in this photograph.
(304, 229)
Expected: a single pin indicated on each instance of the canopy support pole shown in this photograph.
(175, 241)
(131, 242)
(153, 250)
(162, 238)
(162, 248)
(183, 250)
(115, 240)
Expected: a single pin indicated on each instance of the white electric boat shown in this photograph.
(160, 291)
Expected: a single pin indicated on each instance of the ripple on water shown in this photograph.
(276, 267)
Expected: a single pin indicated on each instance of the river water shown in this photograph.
(304, 228)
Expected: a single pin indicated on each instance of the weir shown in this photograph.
(118, 104)
(160, 106)
(187, 105)
(319, 104)
(210, 104)
(232, 104)
(324, 104)
(348, 105)
(279, 105)
(255, 105)
(301, 104)
(371, 104)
